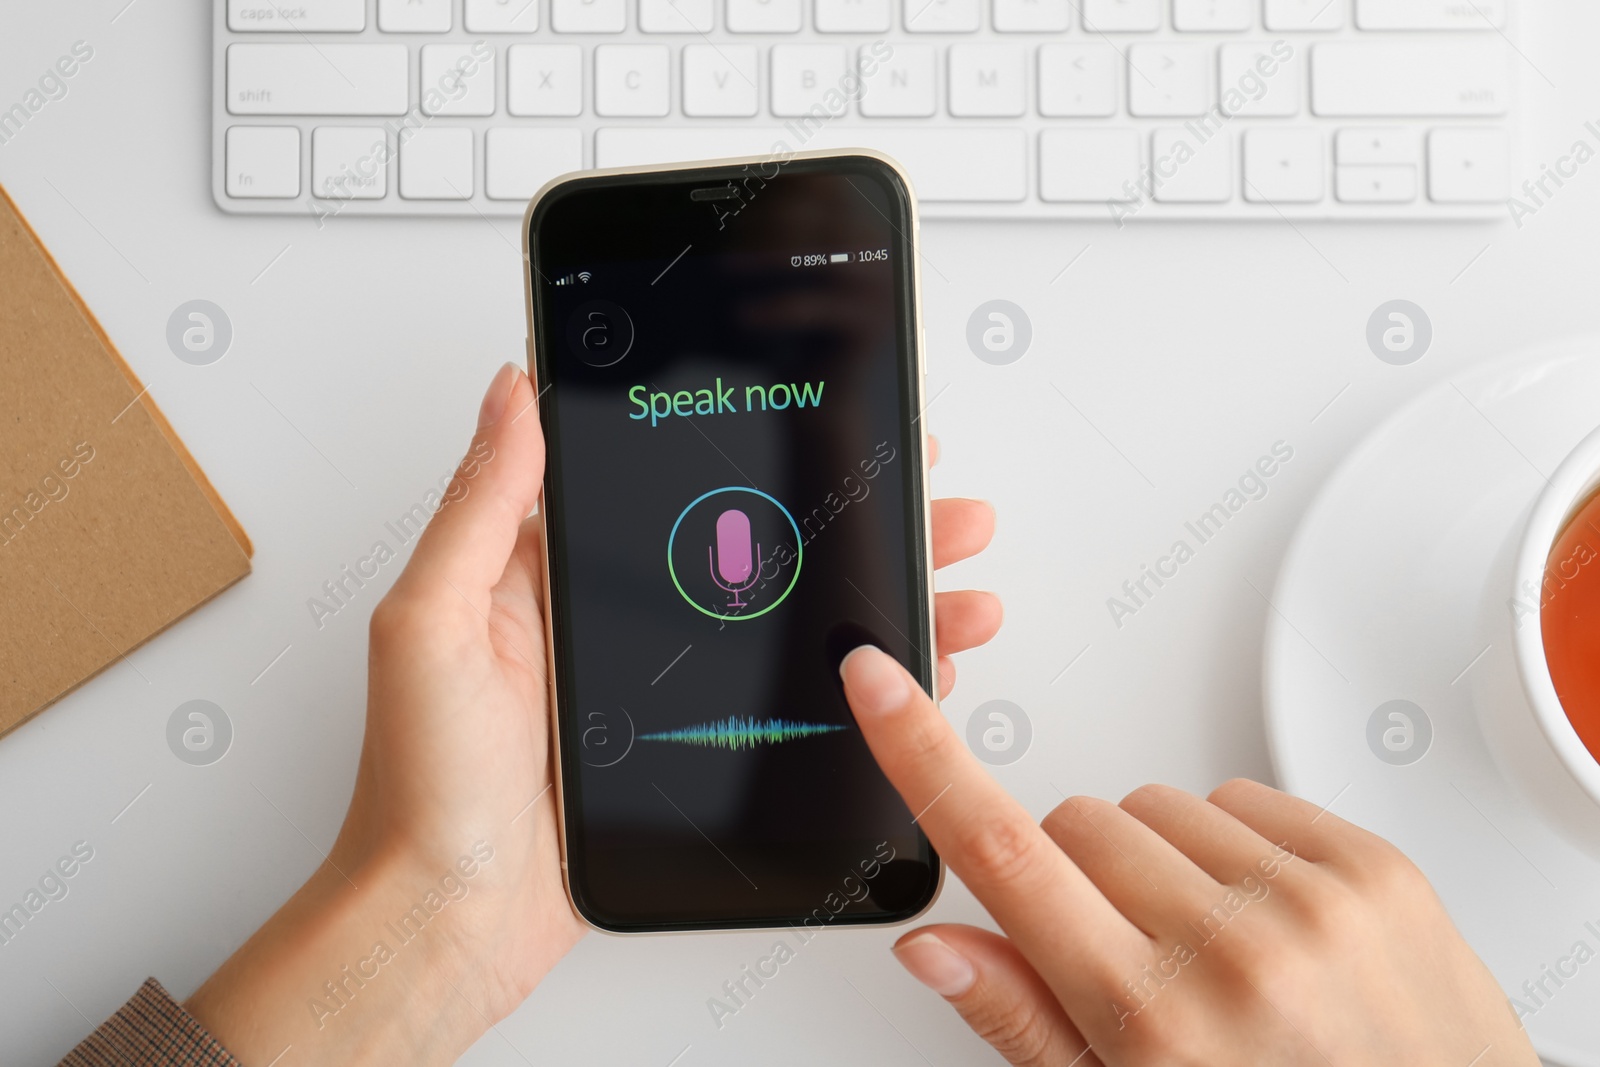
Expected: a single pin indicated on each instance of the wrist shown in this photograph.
(358, 966)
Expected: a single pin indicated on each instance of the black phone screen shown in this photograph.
(733, 501)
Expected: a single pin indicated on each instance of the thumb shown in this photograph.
(996, 993)
(472, 535)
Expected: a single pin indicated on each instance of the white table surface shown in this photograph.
(1192, 348)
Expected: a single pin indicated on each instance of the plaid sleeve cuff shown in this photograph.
(150, 1030)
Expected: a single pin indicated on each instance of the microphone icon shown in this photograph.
(733, 566)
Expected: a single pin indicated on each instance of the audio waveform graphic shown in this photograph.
(736, 732)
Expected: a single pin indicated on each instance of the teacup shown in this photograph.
(1531, 737)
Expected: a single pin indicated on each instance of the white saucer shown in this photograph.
(1395, 587)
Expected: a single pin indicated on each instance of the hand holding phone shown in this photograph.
(454, 809)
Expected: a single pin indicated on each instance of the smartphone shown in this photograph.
(729, 370)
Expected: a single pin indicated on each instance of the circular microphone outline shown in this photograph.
(672, 569)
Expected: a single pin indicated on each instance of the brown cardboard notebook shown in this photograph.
(109, 532)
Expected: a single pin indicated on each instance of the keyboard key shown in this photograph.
(588, 16)
(1305, 15)
(970, 164)
(544, 79)
(1467, 166)
(631, 80)
(719, 80)
(1139, 16)
(305, 16)
(1088, 166)
(263, 162)
(1430, 14)
(941, 16)
(1032, 16)
(1187, 170)
(632, 146)
(1375, 185)
(675, 16)
(1077, 80)
(988, 80)
(902, 85)
(1190, 16)
(326, 79)
(763, 16)
(803, 74)
(436, 164)
(1378, 145)
(1384, 78)
(987, 164)
(1283, 166)
(349, 163)
(518, 161)
(852, 16)
(502, 16)
(1265, 82)
(457, 79)
(414, 16)
(1169, 79)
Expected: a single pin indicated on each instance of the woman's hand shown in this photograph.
(1248, 928)
(448, 860)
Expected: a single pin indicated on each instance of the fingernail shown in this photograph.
(876, 682)
(494, 401)
(936, 965)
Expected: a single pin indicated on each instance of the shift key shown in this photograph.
(326, 79)
(1385, 78)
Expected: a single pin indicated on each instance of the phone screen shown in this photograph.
(734, 500)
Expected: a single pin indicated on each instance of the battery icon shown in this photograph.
(839, 257)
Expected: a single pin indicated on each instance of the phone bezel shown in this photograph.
(726, 168)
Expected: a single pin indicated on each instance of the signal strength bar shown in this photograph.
(574, 279)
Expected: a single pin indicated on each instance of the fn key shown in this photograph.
(263, 162)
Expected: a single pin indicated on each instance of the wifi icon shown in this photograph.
(584, 276)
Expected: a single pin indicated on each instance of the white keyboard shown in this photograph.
(1108, 109)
